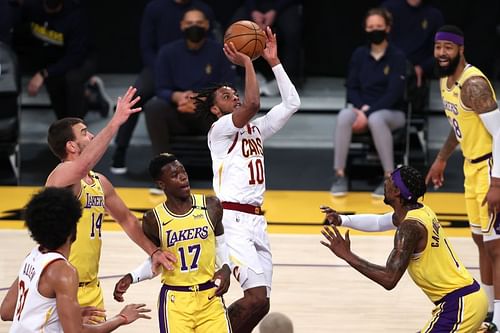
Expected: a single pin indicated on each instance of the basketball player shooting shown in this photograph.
(237, 150)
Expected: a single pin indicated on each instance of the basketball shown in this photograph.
(247, 37)
(360, 125)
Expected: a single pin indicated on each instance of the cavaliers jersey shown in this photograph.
(86, 250)
(237, 161)
(437, 269)
(191, 238)
(474, 138)
(35, 312)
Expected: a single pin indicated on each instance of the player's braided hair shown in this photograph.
(205, 98)
(414, 181)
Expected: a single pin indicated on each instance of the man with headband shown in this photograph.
(420, 246)
(470, 105)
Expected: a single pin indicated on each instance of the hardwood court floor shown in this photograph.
(317, 290)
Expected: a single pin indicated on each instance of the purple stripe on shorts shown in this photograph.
(161, 310)
(452, 305)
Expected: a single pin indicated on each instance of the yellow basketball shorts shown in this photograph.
(90, 294)
(461, 311)
(477, 183)
(192, 309)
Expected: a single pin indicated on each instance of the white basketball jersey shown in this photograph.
(35, 313)
(237, 161)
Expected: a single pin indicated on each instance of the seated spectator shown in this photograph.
(414, 25)
(182, 67)
(160, 25)
(52, 41)
(375, 90)
(285, 18)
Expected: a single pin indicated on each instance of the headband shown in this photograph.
(450, 37)
(398, 181)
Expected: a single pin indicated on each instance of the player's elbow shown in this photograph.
(293, 102)
(390, 283)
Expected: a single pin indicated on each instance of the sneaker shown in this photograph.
(98, 98)
(156, 190)
(118, 166)
(379, 191)
(339, 187)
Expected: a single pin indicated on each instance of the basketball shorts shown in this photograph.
(180, 309)
(477, 183)
(459, 312)
(90, 294)
(249, 248)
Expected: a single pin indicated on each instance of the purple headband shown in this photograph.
(398, 181)
(450, 37)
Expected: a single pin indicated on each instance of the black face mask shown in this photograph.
(376, 36)
(195, 33)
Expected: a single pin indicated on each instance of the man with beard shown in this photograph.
(470, 104)
(421, 246)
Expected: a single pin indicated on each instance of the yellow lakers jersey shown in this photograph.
(437, 269)
(86, 250)
(474, 138)
(191, 237)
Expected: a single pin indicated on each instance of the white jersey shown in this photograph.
(238, 153)
(35, 313)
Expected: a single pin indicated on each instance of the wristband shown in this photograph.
(156, 250)
(124, 317)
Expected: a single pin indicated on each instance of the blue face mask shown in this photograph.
(376, 36)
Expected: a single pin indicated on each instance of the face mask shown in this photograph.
(195, 33)
(376, 36)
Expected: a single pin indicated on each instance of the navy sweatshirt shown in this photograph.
(377, 83)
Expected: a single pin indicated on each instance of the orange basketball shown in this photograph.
(247, 37)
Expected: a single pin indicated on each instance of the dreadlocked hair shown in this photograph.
(414, 181)
(205, 98)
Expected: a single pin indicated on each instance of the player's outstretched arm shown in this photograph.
(71, 172)
(130, 224)
(361, 222)
(406, 241)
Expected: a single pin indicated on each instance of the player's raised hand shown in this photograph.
(234, 56)
(336, 243)
(125, 106)
(132, 312)
(270, 52)
(331, 215)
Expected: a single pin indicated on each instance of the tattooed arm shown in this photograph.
(476, 94)
(409, 239)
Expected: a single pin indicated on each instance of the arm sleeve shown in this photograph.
(277, 117)
(491, 120)
(143, 272)
(368, 222)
